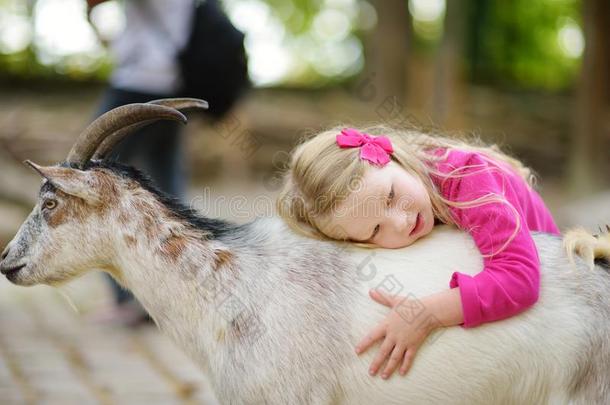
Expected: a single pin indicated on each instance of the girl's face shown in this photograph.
(388, 208)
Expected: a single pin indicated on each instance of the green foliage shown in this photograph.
(25, 64)
(511, 43)
(296, 15)
(517, 42)
(317, 62)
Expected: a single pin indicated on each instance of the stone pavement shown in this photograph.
(51, 354)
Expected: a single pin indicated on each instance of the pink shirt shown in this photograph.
(510, 280)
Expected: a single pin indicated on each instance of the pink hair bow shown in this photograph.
(375, 149)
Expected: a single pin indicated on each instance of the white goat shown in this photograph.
(273, 317)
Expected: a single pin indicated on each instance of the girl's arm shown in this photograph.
(507, 285)
(509, 282)
(445, 308)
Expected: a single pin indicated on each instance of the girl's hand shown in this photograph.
(402, 339)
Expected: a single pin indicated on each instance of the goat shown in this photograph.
(273, 317)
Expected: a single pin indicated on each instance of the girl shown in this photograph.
(390, 190)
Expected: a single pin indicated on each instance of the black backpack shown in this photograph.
(213, 63)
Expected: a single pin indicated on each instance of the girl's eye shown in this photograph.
(50, 204)
(391, 195)
(375, 231)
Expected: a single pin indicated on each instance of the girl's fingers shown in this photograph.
(407, 361)
(384, 352)
(370, 339)
(395, 359)
(381, 297)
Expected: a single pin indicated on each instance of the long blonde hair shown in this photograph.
(321, 174)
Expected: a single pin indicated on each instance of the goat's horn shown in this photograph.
(182, 103)
(113, 121)
(106, 146)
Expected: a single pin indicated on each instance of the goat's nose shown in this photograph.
(5, 253)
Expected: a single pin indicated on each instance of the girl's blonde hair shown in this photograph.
(321, 174)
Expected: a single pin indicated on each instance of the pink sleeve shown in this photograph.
(509, 282)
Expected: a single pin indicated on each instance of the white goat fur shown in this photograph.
(301, 305)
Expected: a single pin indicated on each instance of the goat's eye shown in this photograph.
(49, 204)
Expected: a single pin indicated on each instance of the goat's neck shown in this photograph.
(175, 271)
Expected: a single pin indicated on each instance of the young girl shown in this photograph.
(388, 188)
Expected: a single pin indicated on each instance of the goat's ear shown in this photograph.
(74, 182)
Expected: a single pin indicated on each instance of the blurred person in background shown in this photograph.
(168, 48)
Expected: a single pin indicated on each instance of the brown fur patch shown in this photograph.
(68, 208)
(131, 241)
(74, 208)
(150, 227)
(148, 212)
(222, 258)
(132, 185)
(123, 217)
(143, 206)
(173, 247)
(107, 188)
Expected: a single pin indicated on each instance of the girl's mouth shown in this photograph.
(418, 224)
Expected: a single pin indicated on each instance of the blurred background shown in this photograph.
(532, 76)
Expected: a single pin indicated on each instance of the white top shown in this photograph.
(145, 52)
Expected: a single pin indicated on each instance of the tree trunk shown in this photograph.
(386, 52)
(449, 86)
(590, 138)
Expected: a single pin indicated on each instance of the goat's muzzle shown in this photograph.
(10, 270)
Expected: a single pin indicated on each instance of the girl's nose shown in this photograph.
(410, 220)
(403, 221)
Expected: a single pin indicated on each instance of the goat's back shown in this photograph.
(554, 352)
(312, 299)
